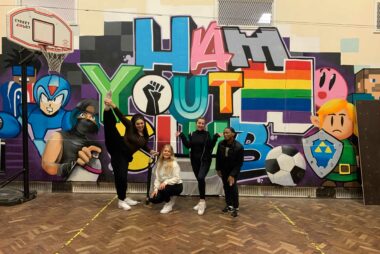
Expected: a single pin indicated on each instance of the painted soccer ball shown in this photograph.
(285, 165)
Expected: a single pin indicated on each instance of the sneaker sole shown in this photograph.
(125, 209)
(164, 212)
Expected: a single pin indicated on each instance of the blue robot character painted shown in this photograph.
(51, 93)
(11, 92)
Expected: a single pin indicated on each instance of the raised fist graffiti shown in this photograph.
(152, 92)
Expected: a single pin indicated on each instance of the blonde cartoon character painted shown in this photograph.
(337, 117)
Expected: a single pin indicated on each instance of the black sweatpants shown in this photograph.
(120, 156)
(165, 194)
(200, 170)
(231, 193)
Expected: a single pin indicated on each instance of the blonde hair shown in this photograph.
(168, 168)
(336, 105)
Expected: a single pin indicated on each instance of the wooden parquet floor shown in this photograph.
(91, 223)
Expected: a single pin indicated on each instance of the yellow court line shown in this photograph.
(87, 224)
(300, 230)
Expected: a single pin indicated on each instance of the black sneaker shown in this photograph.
(234, 212)
(227, 209)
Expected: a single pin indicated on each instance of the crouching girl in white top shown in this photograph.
(168, 183)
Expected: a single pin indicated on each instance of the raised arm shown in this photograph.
(185, 142)
(122, 118)
(109, 104)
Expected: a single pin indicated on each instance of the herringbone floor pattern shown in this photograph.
(91, 223)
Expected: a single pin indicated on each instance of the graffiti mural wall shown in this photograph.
(291, 110)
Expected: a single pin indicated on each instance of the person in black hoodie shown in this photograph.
(201, 145)
(229, 160)
(66, 149)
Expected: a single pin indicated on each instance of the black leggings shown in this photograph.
(165, 194)
(231, 193)
(120, 156)
(200, 170)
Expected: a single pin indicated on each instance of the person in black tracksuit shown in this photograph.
(121, 149)
(229, 160)
(201, 145)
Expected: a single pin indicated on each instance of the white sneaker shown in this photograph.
(196, 208)
(172, 201)
(167, 208)
(123, 205)
(130, 201)
(201, 208)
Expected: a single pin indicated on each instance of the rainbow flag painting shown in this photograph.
(289, 91)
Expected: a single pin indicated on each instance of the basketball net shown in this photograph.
(54, 59)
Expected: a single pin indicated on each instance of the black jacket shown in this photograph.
(200, 143)
(132, 140)
(229, 158)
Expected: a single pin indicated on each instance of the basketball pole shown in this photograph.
(25, 150)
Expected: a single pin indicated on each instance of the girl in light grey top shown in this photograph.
(167, 183)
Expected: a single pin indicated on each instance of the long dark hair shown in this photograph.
(134, 119)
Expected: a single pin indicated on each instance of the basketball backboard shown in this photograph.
(34, 28)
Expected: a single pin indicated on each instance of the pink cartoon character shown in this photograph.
(328, 84)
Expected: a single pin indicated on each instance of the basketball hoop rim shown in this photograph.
(51, 49)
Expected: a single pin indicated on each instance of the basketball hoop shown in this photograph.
(54, 59)
(45, 32)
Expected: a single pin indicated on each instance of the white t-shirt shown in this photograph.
(170, 179)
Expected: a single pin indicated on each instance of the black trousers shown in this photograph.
(165, 194)
(200, 169)
(120, 156)
(231, 193)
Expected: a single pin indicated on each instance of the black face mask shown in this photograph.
(85, 127)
